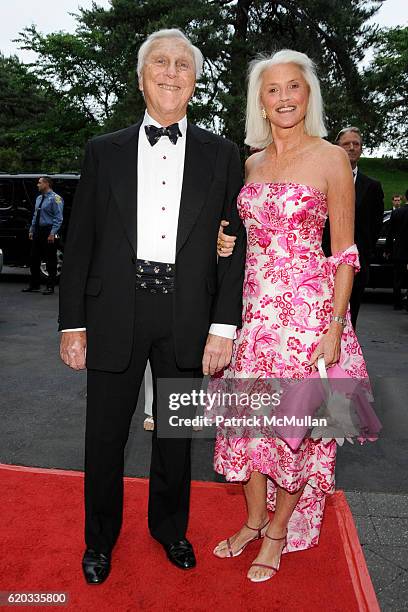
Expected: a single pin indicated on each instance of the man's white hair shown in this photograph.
(258, 129)
(145, 48)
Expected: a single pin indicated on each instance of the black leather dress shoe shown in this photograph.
(96, 566)
(48, 291)
(31, 289)
(181, 554)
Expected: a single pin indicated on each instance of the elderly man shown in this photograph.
(141, 281)
(368, 215)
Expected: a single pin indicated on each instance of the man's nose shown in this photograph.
(171, 70)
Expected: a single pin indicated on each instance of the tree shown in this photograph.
(39, 129)
(387, 79)
(94, 69)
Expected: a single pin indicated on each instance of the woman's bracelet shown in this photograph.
(339, 319)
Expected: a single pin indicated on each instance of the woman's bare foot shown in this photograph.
(269, 554)
(240, 539)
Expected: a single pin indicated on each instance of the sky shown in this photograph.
(53, 15)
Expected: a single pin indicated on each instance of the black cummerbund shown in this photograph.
(155, 276)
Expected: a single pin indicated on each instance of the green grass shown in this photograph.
(393, 179)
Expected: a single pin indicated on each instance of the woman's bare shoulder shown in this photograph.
(253, 160)
(254, 163)
(331, 153)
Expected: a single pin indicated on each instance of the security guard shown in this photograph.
(47, 219)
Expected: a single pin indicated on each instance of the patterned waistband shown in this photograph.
(155, 276)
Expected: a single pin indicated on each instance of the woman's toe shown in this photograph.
(219, 550)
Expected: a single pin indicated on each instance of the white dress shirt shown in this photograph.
(159, 182)
(355, 170)
(160, 171)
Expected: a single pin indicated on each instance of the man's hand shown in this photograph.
(51, 238)
(73, 349)
(30, 235)
(217, 354)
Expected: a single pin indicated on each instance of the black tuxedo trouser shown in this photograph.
(111, 402)
(400, 281)
(42, 249)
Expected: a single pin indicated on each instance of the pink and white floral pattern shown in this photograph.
(288, 300)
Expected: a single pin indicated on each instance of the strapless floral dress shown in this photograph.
(287, 303)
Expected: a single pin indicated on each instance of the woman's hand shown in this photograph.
(329, 346)
(225, 244)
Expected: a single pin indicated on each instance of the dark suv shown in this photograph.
(17, 197)
(381, 269)
(18, 193)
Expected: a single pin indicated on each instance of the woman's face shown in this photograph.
(284, 95)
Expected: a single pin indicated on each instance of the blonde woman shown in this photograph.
(295, 301)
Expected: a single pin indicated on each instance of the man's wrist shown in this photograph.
(223, 329)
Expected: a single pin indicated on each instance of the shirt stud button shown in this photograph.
(163, 235)
(163, 182)
(164, 157)
(163, 208)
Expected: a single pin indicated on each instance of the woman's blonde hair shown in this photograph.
(258, 129)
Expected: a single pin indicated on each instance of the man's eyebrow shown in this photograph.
(164, 54)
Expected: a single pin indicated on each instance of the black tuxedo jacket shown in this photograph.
(368, 218)
(97, 288)
(397, 237)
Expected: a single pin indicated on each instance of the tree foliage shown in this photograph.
(92, 72)
(387, 80)
(39, 129)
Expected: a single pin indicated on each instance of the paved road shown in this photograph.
(42, 412)
(42, 402)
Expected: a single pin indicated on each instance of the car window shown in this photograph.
(6, 193)
(21, 199)
(29, 190)
(65, 188)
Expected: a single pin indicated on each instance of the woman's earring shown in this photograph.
(263, 113)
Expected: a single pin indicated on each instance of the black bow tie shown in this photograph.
(154, 133)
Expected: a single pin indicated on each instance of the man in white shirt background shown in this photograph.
(149, 204)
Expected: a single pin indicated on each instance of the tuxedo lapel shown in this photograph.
(197, 178)
(360, 188)
(123, 179)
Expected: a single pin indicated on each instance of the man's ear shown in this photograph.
(140, 83)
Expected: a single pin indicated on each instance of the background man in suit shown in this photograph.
(397, 248)
(141, 282)
(368, 219)
(396, 201)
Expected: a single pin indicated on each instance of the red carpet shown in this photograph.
(41, 548)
